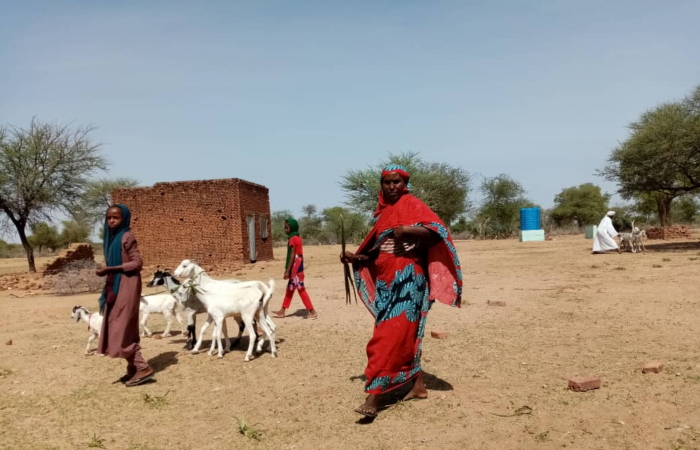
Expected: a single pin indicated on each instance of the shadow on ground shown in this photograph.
(673, 247)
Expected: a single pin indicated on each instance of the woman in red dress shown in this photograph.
(294, 271)
(407, 261)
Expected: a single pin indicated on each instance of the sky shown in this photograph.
(292, 95)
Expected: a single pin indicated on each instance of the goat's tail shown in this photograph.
(268, 291)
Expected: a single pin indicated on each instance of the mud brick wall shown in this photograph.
(672, 232)
(255, 204)
(200, 220)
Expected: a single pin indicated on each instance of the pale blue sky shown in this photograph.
(292, 94)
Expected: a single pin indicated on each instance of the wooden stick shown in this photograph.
(346, 267)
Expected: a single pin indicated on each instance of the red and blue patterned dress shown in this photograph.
(398, 285)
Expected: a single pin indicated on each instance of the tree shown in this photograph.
(310, 224)
(686, 209)
(43, 169)
(73, 232)
(442, 187)
(661, 156)
(500, 210)
(277, 219)
(98, 197)
(584, 205)
(646, 208)
(44, 235)
(356, 225)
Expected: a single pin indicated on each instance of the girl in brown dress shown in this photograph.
(121, 296)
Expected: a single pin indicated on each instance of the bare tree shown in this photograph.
(44, 169)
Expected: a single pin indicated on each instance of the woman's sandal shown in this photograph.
(366, 411)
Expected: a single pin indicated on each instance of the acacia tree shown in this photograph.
(44, 169)
(661, 155)
(98, 197)
(74, 232)
(444, 188)
(44, 235)
(277, 219)
(500, 209)
(583, 204)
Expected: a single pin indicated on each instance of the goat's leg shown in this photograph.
(269, 332)
(214, 334)
(178, 317)
(201, 334)
(191, 329)
(241, 327)
(217, 333)
(248, 320)
(227, 340)
(90, 339)
(146, 331)
(220, 322)
(168, 315)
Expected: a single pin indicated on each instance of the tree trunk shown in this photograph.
(663, 203)
(27, 248)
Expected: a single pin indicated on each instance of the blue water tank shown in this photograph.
(529, 219)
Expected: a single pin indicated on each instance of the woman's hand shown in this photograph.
(350, 257)
(286, 275)
(102, 271)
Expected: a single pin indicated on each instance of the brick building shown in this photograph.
(219, 223)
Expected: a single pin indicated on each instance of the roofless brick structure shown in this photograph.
(219, 223)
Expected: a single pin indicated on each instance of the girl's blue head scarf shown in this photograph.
(112, 242)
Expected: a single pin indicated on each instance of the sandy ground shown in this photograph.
(568, 313)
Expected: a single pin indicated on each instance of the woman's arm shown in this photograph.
(351, 258)
(426, 237)
(134, 264)
(296, 251)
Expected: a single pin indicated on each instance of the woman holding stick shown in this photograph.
(406, 262)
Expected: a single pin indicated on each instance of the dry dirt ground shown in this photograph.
(568, 313)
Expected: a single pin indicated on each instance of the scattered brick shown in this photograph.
(497, 303)
(201, 220)
(74, 253)
(653, 367)
(9, 342)
(583, 384)
(438, 334)
(157, 336)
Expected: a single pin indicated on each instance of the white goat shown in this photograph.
(628, 240)
(191, 306)
(221, 299)
(639, 236)
(164, 304)
(93, 321)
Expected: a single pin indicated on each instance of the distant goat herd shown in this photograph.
(245, 301)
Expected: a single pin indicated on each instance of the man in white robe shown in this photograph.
(604, 239)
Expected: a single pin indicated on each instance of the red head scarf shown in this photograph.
(393, 168)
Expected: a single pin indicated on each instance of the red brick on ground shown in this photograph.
(653, 367)
(583, 384)
(438, 334)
